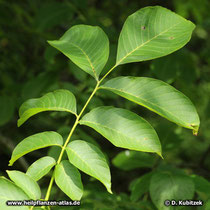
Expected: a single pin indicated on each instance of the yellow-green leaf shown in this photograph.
(87, 46)
(89, 159)
(68, 179)
(34, 142)
(59, 100)
(150, 33)
(26, 183)
(123, 128)
(9, 192)
(157, 96)
(40, 167)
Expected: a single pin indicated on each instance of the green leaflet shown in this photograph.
(34, 142)
(87, 46)
(59, 100)
(26, 183)
(9, 191)
(157, 96)
(150, 33)
(123, 128)
(89, 159)
(68, 179)
(40, 167)
(128, 160)
(169, 186)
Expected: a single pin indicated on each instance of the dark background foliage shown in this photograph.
(29, 68)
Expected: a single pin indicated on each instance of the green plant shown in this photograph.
(149, 33)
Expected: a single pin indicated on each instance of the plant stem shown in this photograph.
(73, 128)
(68, 139)
(107, 73)
(50, 187)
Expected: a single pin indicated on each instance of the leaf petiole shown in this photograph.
(73, 129)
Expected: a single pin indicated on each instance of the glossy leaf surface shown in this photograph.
(157, 96)
(87, 46)
(40, 167)
(26, 183)
(68, 179)
(150, 33)
(59, 100)
(34, 142)
(123, 128)
(89, 159)
(8, 192)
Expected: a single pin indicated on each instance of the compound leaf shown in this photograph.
(87, 46)
(8, 192)
(123, 128)
(26, 183)
(150, 33)
(157, 96)
(34, 142)
(89, 159)
(40, 167)
(68, 179)
(59, 100)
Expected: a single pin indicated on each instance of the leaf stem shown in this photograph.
(73, 128)
(50, 187)
(107, 73)
(68, 139)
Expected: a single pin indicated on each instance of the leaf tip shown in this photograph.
(110, 191)
(52, 42)
(49, 41)
(195, 132)
(160, 154)
(195, 129)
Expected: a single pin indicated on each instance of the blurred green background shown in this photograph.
(29, 68)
